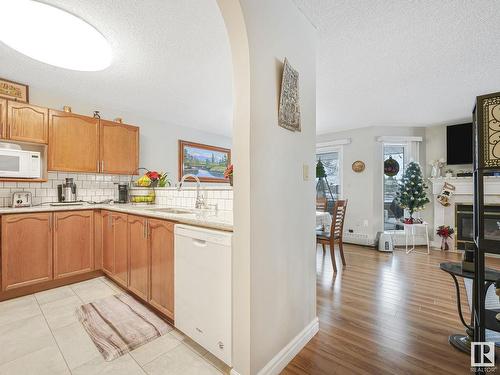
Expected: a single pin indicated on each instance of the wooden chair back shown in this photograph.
(321, 204)
(338, 219)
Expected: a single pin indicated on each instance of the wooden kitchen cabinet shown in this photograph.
(27, 123)
(26, 249)
(138, 281)
(73, 243)
(3, 118)
(119, 148)
(115, 246)
(108, 243)
(73, 142)
(161, 242)
(120, 226)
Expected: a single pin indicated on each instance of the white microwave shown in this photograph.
(19, 163)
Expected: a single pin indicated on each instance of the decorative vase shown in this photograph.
(231, 180)
(444, 244)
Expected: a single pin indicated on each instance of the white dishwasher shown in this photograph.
(203, 288)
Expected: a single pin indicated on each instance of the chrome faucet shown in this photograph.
(200, 199)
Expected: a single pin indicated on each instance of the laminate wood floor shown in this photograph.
(385, 314)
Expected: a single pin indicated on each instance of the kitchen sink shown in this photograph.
(169, 210)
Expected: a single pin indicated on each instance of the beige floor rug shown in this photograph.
(119, 324)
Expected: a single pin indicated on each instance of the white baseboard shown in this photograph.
(283, 358)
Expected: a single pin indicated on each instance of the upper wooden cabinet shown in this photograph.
(26, 249)
(119, 148)
(73, 243)
(27, 123)
(73, 142)
(3, 118)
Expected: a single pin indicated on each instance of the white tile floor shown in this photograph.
(40, 334)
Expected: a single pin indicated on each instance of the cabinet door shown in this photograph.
(27, 122)
(161, 294)
(73, 243)
(138, 256)
(73, 142)
(108, 243)
(26, 249)
(3, 118)
(119, 148)
(120, 228)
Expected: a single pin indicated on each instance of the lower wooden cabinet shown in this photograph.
(161, 291)
(115, 246)
(121, 248)
(26, 249)
(73, 243)
(139, 259)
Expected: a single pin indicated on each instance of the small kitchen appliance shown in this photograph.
(122, 193)
(21, 199)
(18, 163)
(67, 192)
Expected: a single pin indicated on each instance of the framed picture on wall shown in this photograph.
(14, 90)
(206, 162)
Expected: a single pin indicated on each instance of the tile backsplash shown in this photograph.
(90, 187)
(97, 187)
(186, 198)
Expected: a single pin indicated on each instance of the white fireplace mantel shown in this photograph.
(464, 192)
(464, 185)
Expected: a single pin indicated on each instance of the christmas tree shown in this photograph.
(411, 194)
(320, 169)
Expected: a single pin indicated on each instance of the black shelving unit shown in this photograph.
(486, 159)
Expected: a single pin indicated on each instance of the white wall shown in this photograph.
(158, 141)
(274, 291)
(365, 190)
(283, 272)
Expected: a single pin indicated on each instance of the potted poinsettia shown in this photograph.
(228, 174)
(445, 232)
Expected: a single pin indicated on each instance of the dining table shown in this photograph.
(323, 220)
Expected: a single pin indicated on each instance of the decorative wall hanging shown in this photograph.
(208, 163)
(358, 166)
(14, 90)
(447, 192)
(488, 130)
(289, 107)
(391, 167)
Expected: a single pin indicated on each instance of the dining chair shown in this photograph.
(336, 232)
(321, 204)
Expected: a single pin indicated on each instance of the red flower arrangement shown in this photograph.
(228, 174)
(445, 232)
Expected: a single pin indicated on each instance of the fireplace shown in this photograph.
(465, 225)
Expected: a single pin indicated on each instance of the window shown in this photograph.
(393, 214)
(330, 186)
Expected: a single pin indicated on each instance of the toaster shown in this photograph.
(21, 199)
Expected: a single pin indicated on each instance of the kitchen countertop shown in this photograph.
(222, 220)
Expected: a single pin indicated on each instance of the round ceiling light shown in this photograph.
(53, 36)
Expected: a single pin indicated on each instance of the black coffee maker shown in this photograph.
(122, 193)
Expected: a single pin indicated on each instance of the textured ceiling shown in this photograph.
(171, 63)
(402, 63)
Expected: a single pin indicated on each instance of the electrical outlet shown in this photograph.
(305, 172)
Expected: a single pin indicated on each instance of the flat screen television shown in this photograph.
(459, 144)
